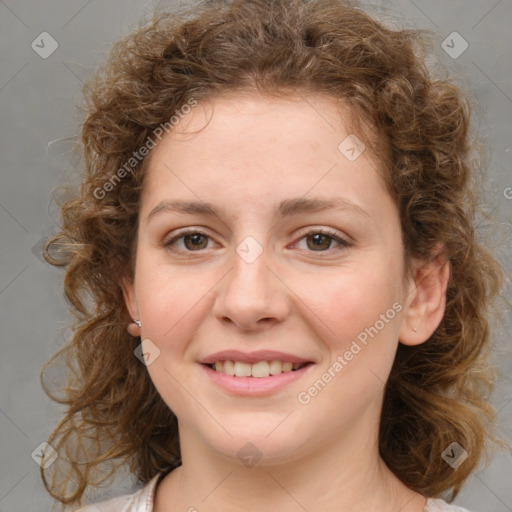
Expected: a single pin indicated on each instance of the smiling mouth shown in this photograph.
(258, 370)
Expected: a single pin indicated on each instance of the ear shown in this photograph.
(426, 299)
(128, 287)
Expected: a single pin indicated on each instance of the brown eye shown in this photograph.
(322, 240)
(319, 241)
(188, 242)
(195, 241)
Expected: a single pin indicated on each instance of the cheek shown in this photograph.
(355, 301)
(362, 312)
(171, 304)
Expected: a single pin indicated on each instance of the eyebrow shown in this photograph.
(285, 208)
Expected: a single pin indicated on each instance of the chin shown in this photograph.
(266, 445)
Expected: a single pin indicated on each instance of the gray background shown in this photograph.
(38, 99)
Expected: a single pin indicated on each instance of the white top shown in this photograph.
(142, 501)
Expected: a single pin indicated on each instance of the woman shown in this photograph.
(280, 299)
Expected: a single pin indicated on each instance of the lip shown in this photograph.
(255, 386)
(252, 357)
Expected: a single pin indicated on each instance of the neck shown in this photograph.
(345, 475)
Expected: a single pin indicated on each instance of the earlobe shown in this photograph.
(426, 300)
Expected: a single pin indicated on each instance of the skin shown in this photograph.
(255, 152)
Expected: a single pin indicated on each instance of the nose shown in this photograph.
(252, 295)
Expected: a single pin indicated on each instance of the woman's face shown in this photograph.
(265, 238)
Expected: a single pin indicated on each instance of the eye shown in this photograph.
(320, 240)
(193, 240)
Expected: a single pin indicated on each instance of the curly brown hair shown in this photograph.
(437, 391)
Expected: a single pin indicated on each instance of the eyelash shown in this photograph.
(322, 231)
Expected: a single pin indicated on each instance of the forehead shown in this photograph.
(292, 119)
(261, 145)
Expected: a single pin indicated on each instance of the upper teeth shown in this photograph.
(259, 369)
